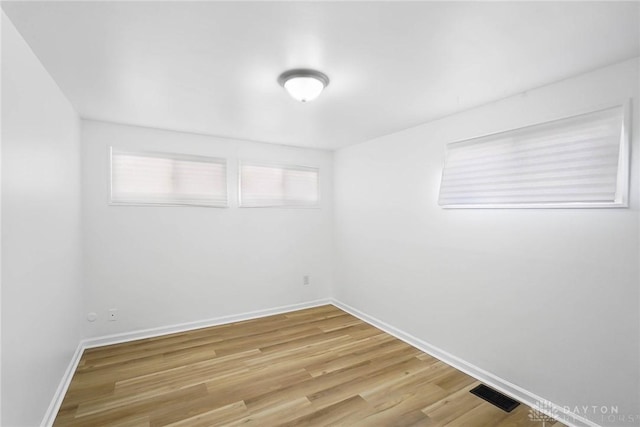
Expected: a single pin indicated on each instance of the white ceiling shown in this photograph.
(211, 67)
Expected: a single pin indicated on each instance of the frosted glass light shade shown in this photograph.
(303, 85)
(304, 89)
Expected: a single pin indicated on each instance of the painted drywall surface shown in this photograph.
(41, 260)
(166, 265)
(546, 299)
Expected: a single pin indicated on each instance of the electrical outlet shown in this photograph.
(113, 314)
(305, 280)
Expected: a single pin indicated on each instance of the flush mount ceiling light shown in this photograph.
(302, 84)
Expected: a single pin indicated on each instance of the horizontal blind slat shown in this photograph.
(575, 173)
(537, 167)
(167, 179)
(278, 185)
(571, 160)
(593, 144)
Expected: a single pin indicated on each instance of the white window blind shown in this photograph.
(581, 161)
(278, 185)
(147, 178)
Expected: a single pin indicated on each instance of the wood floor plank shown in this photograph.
(317, 384)
(217, 416)
(343, 413)
(453, 406)
(314, 367)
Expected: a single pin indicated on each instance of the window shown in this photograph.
(278, 186)
(581, 161)
(146, 178)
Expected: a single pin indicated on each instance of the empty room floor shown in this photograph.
(319, 366)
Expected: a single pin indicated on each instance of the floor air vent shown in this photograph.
(496, 398)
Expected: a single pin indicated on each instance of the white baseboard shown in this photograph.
(518, 393)
(56, 402)
(182, 327)
(504, 386)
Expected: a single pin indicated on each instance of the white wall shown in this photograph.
(41, 262)
(546, 299)
(166, 265)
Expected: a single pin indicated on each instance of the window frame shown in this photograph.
(623, 175)
(318, 204)
(171, 156)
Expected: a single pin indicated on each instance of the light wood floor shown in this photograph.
(320, 367)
